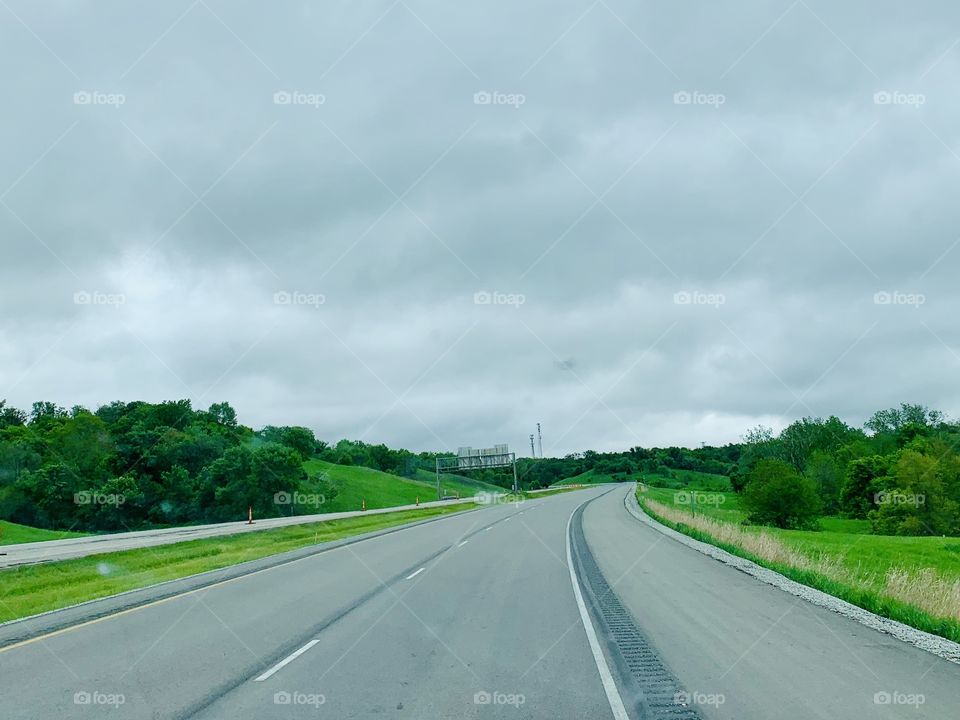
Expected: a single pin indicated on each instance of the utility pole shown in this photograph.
(533, 453)
(539, 440)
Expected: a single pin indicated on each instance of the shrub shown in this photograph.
(776, 494)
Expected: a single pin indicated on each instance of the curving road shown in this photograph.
(476, 616)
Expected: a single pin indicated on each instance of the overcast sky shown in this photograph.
(434, 224)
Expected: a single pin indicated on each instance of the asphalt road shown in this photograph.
(70, 548)
(473, 616)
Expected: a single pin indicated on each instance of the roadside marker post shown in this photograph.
(250, 515)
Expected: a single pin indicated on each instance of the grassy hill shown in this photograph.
(677, 479)
(591, 477)
(691, 479)
(13, 534)
(355, 484)
(461, 482)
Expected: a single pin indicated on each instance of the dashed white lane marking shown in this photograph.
(488, 527)
(609, 685)
(412, 575)
(286, 661)
(463, 543)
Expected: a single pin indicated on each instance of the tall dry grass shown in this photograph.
(925, 589)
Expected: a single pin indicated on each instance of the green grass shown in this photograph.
(461, 483)
(27, 590)
(844, 559)
(590, 477)
(680, 479)
(849, 540)
(381, 490)
(13, 534)
(552, 491)
(718, 505)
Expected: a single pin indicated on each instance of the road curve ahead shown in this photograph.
(478, 616)
(470, 616)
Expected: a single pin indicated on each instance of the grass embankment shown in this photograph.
(591, 477)
(13, 534)
(31, 589)
(915, 580)
(676, 479)
(554, 491)
(356, 484)
(680, 479)
(456, 483)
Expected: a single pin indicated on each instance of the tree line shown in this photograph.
(901, 472)
(137, 464)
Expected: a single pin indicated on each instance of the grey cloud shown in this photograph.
(698, 199)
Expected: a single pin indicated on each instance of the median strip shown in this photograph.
(40, 599)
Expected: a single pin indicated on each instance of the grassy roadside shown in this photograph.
(357, 485)
(32, 589)
(555, 491)
(13, 534)
(913, 580)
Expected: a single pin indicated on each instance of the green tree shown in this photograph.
(776, 494)
(861, 484)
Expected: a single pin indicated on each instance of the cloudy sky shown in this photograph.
(433, 224)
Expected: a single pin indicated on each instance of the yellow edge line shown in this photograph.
(120, 613)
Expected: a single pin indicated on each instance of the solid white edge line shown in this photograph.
(463, 543)
(609, 685)
(286, 661)
(412, 575)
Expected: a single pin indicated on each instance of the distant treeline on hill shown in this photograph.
(901, 471)
(138, 464)
(135, 465)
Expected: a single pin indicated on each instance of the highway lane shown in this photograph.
(475, 616)
(420, 623)
(768, 653)
(69, 548)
